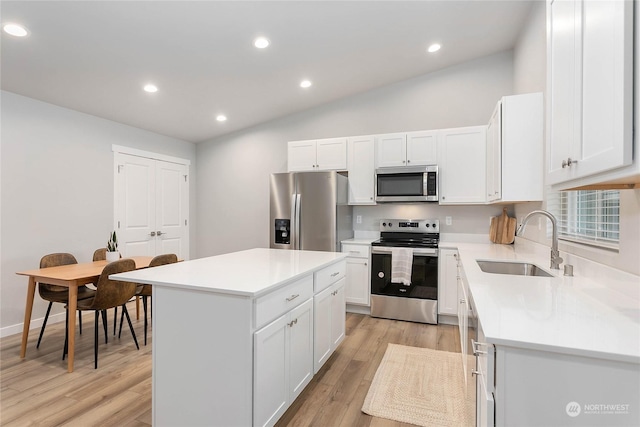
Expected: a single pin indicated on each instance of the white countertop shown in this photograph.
(596, 313)
(250, 273)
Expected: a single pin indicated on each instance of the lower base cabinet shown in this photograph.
(329, 320)
(283, 357)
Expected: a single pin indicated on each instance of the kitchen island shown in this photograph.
(236, 337)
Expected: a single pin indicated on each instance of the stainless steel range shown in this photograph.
(416, 301)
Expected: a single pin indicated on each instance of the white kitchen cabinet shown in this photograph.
(283, 357)
(407, 149)
(317, 155)
(515, 150)
(329, 320)
(447, 282)
(462, 166)
(358, 284)
(463, 319)
(361, 168)
(590, 87)
(485, 387)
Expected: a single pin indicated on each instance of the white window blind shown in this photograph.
(587, 216)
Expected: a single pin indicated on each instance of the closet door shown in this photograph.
(151, 206)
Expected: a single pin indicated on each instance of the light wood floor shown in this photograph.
(39, 391)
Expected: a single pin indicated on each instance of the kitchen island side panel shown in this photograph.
(202, 358)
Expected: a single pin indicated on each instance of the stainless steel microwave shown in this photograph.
(407, 184)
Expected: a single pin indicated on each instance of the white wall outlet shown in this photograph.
(359, 219)
(447, 220)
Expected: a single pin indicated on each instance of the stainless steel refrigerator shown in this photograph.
(309, 211)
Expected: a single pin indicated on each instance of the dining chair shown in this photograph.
(59, 294)
(101, 255)
(110, 294)
(145, 291)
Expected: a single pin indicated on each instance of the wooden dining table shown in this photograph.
(71, 276)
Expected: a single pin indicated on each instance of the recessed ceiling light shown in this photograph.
(221, 118)
(15, 30)
(151, 88)
(434, 48)
(261, 42)
(305, 83)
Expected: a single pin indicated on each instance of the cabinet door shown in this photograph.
(357, 288)
(322, 328)
(391, 150)
(494, 151)
(271, 372)
(463, 323)
(422, 148)
(463, 165)
(338, 313)
(447, 282)
(300, 330)
(331, 154)
(302, 156)
(361, 167)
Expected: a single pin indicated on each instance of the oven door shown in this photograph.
(424, 274)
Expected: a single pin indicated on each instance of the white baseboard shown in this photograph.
(359, 309)
(35, 324)
(447, 320)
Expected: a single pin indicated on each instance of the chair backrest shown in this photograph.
(55, 260)
(163, 259)
(112, 293)
(100, 254)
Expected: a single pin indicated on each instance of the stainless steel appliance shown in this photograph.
(309, 211)
(417, 302)
(407, 184)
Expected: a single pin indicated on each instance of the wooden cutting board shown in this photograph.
(502, 229)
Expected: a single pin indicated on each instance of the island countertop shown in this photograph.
(249, 273)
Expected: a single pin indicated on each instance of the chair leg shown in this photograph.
(80, 320)
(115, 318)
(95, 342)
(121, 320)
(144, 306)
(44, 324)
(104, 324)
(124, 309)
(66, 335)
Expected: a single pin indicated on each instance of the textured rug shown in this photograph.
(422, 387)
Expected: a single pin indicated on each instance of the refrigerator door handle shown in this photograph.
(297, 222)
(293, 230)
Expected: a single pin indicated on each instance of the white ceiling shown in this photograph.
(95, 56)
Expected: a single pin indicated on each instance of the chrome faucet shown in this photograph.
(555, 254)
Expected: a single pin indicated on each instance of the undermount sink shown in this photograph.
(516, 268)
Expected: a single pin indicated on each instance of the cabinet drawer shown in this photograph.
(270, 306)
(357, 251)
(329, 275)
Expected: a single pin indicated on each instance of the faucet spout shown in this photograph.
(555, 254)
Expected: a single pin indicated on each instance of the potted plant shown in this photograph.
(112, 248)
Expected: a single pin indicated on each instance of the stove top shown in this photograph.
(411, 233)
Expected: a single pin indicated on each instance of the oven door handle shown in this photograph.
(416, 251)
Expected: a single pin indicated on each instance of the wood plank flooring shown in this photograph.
(39, 391)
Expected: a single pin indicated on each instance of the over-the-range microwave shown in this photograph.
(407, 184)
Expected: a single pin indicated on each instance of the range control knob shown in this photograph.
(390, 224)
(384, 224)
(427, 225)
(434, 226)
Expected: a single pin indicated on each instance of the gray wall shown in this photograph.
(57, 189)
(233, 171)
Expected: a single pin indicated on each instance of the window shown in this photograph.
(588, 216)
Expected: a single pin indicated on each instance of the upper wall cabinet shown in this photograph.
(407, 149)
(590, 87)
(462, 165)
(317, 155)
(514, 150)
(361, 167)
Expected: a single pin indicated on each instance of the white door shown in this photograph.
(301, 156)
(361, 167)
(322, 328)
(357, 285)
(447, 282)
(301, 348)
(331, 154)
(151, 206)
(422, 148)
(391, 150)
(338, 313)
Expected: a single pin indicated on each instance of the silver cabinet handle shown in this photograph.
(353, 252)
(474, 372)
(462, 301)
(335, 274)
(408, 161)
(474, 348)
(293, 322)
(159, 233)
(570, 162)
(292, 297)
(365, 264)
(152, 234)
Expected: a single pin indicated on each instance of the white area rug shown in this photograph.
(422, 387)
